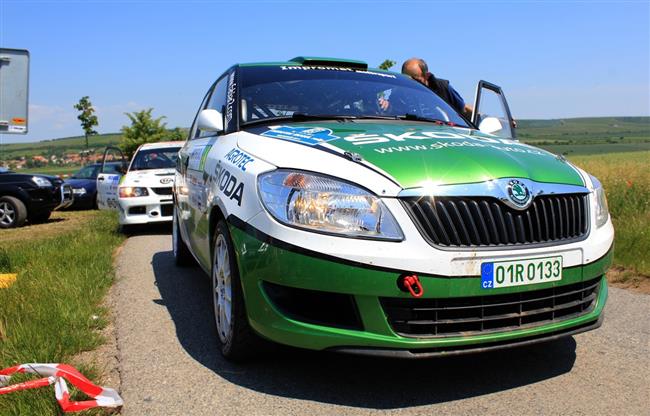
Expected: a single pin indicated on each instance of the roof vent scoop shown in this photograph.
(332, 62)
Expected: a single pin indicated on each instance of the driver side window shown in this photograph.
(217, 102)
(193, 129)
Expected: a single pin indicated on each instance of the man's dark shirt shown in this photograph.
(446, 92)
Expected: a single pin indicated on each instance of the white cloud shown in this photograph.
(53, 115)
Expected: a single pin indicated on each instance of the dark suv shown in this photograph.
(31, 197)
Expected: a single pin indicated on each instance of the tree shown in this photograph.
(143, 129)
(387, 64)
(87, 117)
(176, 134)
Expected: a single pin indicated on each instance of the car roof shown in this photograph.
(160, 145)
(317, 61)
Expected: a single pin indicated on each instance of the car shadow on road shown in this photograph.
(363, 382)
(156, 228)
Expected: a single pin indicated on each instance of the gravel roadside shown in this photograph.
(169, 364)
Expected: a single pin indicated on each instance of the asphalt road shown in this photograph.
(169, 363)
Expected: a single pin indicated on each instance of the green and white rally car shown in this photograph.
(326, 222)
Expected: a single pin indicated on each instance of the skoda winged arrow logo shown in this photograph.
(518, 193)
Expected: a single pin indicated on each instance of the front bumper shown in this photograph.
(147, 209)
(83, 200)
(48, 199)
(264, 261)
(67, 197)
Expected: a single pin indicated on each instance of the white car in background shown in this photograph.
(144, 194)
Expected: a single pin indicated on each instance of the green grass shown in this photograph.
(53, 310)
(594, 148)
(626, 178)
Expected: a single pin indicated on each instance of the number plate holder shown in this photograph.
(520, 272)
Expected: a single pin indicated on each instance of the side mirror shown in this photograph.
(490, 125)
(210, 120)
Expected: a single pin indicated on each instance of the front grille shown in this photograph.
(476, 315)
(162, 190)
(488, 222)
(138, 210)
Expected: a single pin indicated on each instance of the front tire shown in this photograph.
(182, 255)
(13, 212)
(236, 337)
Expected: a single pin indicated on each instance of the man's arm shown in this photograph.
(458, 103)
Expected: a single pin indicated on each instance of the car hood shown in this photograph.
(149, 177)
(418, 154)
(81, 183)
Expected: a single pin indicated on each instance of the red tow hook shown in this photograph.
(412, 284)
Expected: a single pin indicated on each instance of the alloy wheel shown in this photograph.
(7, 213)
(222, 289)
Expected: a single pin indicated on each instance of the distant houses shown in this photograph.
(67, 159)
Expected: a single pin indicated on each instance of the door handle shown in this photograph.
(100, 178)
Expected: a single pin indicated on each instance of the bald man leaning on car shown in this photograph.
(417, 69)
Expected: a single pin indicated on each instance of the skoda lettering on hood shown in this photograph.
(327, 221)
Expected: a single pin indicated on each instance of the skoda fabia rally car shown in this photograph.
(144, 193)
(330, 222)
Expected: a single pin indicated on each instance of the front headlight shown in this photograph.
(79, 191)
(602, 212)
(41, 182)
(131, 192)
(318, 203)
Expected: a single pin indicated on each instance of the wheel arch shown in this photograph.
(17, 193)
(216, 214)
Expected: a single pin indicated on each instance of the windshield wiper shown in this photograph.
(310, 117)
(300, 117)
(415, 117)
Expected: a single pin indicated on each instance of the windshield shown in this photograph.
(87, 172)
(92, 171)
(281, 91)
(164, 158)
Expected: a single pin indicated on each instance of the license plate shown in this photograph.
(521, 272)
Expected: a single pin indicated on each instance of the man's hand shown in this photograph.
(468, 110)
(383, 104)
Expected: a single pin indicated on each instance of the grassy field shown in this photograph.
(53, 170)
(57, 146)
(626, 178)
(585, 136)
(52, 313)
(573, 136)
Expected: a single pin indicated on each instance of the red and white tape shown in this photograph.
(57, 374)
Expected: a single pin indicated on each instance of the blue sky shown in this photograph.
(553, 59)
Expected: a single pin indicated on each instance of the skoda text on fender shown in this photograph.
(329, 223)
